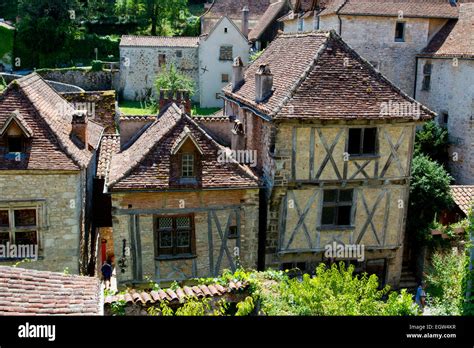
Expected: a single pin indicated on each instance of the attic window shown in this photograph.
(15, 144)
(400, 32)
(225, 30)
(362, 141)
(187, 165)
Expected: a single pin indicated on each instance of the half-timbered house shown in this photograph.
(334, 141)
(181, 207)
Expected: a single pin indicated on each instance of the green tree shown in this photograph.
(429, 194)
(432, 141)
(172, 80)
(9, 9)
(47, 27)
(3, 84)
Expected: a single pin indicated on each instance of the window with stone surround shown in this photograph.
(174, 236)
(226, 53)
(400, 32)
(362, 142)
(19, 226)
(337, 207)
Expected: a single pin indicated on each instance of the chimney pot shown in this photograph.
(79, 125)
(237, 73)
(263, 83)
(245, 21)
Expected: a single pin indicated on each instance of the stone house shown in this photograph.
(142, 58)
(334, 142)
(216, 52)
(389, 34)
(444, 82)
(47, 164)
(181, 207)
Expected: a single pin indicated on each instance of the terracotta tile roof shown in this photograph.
(463, 196)
(178, 295)
(146, 163)
(158, 41)
(411, 8)
(233, 8)
(266, 19)
(20, 121)
(49, 117)
(306, 9)
(29, 292)
(109, 145)
(218, 116)
(317, 75)
(456, 38)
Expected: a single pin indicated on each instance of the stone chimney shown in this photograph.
(180, 98)
(79, 125)
(263, 83)
(237, 73)
(245, 21)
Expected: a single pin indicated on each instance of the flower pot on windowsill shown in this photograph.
(444, 236)
(436, 232)
(458, 230)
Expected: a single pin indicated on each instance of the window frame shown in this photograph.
(16, 137)
(362, 153)
(221, 55)
(300, 25)
(191, 166)
(227, 80)
(174, 252)
(426, 82)
(161, 62)
(398, 39)
(12, 229)
(336, 204)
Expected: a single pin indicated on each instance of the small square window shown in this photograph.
(179, 54)
(400, 32)
(225, 77)
(226, 53)
(362, 141)
(337, 207)
(233, 232)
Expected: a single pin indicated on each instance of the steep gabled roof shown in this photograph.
(233, 8)
(206, 36)
(49, 117)
(411, 8)
(158, 41)
(266, 19)
(456, 38)
(146, 163)
(318, 76)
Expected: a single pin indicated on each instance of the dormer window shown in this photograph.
(187, 165)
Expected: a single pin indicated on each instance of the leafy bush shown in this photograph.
(334, 291)
(97, 65)
(432, 141)
(429, 195)
(3, 84)
(173, 80)
(445, 282)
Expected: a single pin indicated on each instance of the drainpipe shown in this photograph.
(416, 77)
(340, 24)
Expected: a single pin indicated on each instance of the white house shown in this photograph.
(216, 52)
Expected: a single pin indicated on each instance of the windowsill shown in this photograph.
(335, 228)
(175, 257)
(363, 157)
(188, 181)
(401, 41)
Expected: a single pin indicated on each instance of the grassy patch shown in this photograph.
(197, 111)
(135, 108)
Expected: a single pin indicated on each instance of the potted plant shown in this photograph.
(459, 227)
(436, 229)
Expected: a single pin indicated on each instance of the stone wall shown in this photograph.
(148, 205)
(451, 92)
(131, 126)
(59, 200)
(139, 68)
(218, 127)
(100, 107)
(83, 78)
